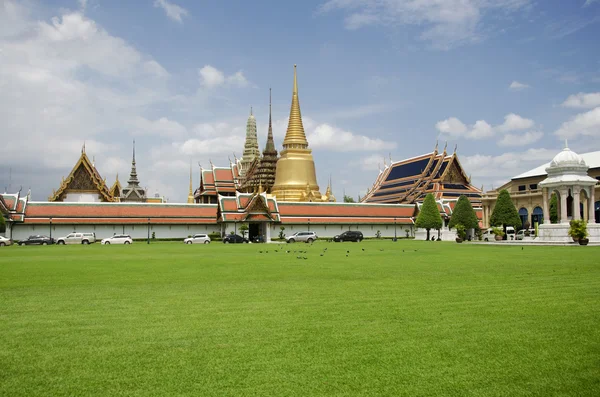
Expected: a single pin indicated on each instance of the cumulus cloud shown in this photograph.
(521, 139)
(444, 23)
(326, 136)
(587, 123)
(505, 165)
(583, 100)
(516, 86)
(161, 127)
(453, 128)
(513, 122)
(211, 77)
(372, 163)
(173, 11)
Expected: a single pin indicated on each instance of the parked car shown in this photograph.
(520, 235)
(234, 239)
(198, 239)
(488, 235)
(77, 238)
(350, 235)
(37, 240)
(510, 233)
(5, 241)
(117, 239)
(307, 237)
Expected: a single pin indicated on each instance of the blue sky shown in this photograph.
(504, 80)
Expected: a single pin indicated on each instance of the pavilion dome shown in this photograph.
(567, 158)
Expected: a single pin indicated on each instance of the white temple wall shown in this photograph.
(330, 230)
(82, 198)
(21, 231)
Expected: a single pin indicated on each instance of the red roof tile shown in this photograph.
(120, 210)
(287, 209)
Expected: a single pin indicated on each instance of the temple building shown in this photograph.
(295, 176)
(251, 151)
(133, 192)
(273, 196)
(409, 181)
(260, 175)
(84, 184)
(527, 193)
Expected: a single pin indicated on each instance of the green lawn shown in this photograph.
(410, 318)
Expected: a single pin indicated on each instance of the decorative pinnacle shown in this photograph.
(566, 144)
(295, 136)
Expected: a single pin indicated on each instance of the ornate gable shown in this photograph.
(84, 178)
(257, 209)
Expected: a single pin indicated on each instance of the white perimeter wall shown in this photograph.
(22, 231)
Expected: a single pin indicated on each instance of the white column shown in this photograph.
(268, 232)
(576, 213)
(563, 206)
(592, 205)
(545, 206)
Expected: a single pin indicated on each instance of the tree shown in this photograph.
(348, 199)
(553, 208)
(429, 216)
(243, 229)
(2, 224)
(505, 213)
(464, 214)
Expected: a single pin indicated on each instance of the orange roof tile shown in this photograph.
(287, 209)
(120, 210)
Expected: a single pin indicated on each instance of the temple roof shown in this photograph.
(592, 159)
(353, 213)
(84, 177)
(40, 212)
(133, 191)
(408, 181)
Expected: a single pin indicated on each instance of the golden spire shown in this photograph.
(190, 194)
(295, 136)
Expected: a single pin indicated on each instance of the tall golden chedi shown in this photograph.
(295, 178)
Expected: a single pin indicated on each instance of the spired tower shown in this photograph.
(251, 151)
(295, 177)
(133, 192)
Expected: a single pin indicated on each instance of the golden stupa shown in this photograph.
(295, 177)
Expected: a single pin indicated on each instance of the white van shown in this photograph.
(510, 233)
(488, 235)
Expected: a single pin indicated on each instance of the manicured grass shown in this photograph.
(409, 318)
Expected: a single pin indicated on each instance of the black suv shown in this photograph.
(349, 235)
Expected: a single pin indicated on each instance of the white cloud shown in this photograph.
(506, 165)
(160, 127)
(372, 163)
(516, 86)
(589, 2)
(444, 23)
(173, 11)
(583, 100)
(325, 136)
(521, 139)
(454, 128)
(211, 77)
(238, 79)
(514, 122)
(587, 123)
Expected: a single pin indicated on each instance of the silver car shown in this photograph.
(117, 239)
(307, 237)
(198, 239)
(5, 241)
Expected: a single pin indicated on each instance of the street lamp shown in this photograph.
(50, 228)
(309, 224)
(395, 236)
(148, 230)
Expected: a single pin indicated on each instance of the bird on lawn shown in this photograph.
(363, 249)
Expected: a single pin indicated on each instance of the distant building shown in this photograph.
(527, 196)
